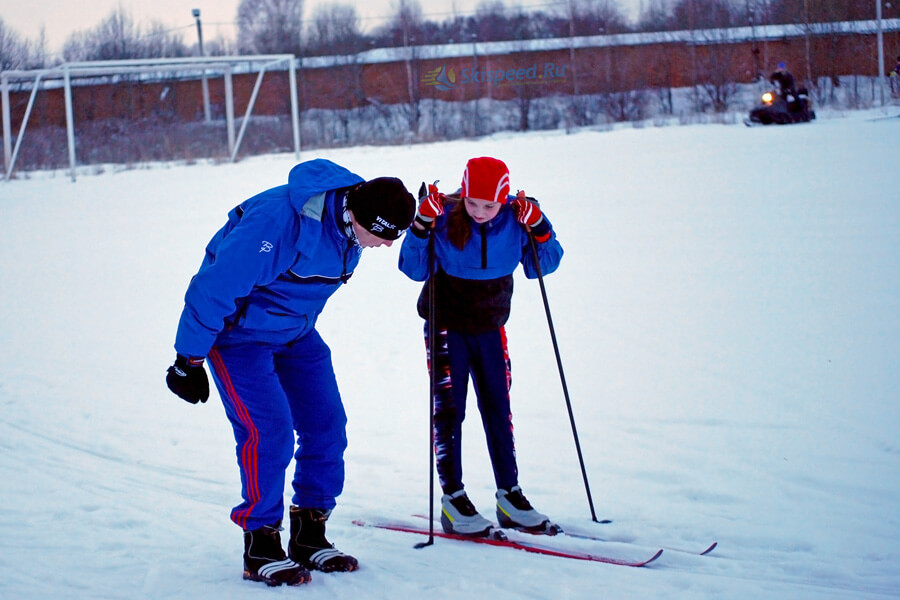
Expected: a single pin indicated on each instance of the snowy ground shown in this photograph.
(728, 314)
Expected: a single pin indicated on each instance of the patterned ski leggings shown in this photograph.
(485, 358)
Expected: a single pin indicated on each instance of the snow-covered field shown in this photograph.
(728, 315)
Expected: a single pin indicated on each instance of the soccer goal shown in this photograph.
(66, 74)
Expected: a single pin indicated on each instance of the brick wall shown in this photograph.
(482, 73)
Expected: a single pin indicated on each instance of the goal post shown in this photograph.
(66, 73)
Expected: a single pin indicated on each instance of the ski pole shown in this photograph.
(562, 377)
(432, 386)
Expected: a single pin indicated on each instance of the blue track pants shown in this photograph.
(271, 392)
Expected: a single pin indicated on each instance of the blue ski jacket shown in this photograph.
(494, 252)
(474, 285)
(270, 269)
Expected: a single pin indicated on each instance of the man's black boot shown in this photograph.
(264, 558)
(308, 545)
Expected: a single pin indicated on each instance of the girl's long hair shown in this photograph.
(459, 226)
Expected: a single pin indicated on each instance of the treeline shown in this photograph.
(278, 27)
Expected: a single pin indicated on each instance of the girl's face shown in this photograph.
(481, 211)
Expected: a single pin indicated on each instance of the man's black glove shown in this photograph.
(187, 379)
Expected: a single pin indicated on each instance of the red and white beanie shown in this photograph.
(486, 178)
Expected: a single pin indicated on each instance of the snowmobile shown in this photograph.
(781, 110)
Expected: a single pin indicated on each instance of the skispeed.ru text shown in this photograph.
(532, 73)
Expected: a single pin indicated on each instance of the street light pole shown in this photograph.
(880, 51)
(206, 111)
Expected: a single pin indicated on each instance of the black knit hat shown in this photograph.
(383, 207)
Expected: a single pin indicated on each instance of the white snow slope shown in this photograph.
(728, 317)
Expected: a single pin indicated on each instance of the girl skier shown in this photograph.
(478, 243)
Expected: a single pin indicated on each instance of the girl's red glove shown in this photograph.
(529, 214)
(432, 206)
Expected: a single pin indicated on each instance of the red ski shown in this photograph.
(586, 536)
(555, 529)
(499, 539)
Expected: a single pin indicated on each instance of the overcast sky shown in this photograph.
(61, 18)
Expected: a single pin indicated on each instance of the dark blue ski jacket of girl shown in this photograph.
(474, 285)
(270, 269)
(497, 252)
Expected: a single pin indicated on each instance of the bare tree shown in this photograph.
(592, 17)
(270, 26)
(160, 42)
(335, 30)
(754, 12)
(716, 78)
(405, 29)
(220, 46)
(704, 14)
(712, 59)
(587, 17)
(118, 37)
(38, 55)
(490, 22)
(14, 52)
(656, 16)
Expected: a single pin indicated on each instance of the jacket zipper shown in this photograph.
(484, 245)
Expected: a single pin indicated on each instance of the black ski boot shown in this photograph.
(308, 545)
(264, 558)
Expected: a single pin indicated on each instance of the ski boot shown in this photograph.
(515, 511)
(308, 545)
(458, 515)
(264, 558)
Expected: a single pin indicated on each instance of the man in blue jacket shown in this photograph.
(251, 310)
